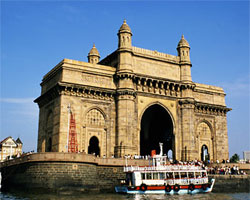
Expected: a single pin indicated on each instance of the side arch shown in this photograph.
(95, 126)
(47, 139)
(204, 137)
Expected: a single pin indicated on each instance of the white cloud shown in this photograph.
(19, 106)
(17, 100)
(238, 87)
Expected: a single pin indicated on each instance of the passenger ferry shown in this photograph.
(162, 178)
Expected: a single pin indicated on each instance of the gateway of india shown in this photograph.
(128, 102)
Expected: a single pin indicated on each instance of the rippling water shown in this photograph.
(212, 196)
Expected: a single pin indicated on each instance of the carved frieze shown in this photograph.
(211, 109)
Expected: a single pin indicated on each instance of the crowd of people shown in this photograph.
(226, 170)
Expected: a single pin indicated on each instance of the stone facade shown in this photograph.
(130, 101)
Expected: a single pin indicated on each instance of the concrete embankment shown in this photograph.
(70, 173)
(231, 183)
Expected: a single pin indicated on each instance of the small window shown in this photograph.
(169, 175)
(198, 174)
(149, 176)
(155, 175)
(176, 175)
(183, 174)
(203, 174)
(143, 176)
(162, 175)
(190, 174)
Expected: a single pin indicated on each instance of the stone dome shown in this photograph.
(94, 51)
(183, 42)
(124, 27)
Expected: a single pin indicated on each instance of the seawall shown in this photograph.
(231, 183)
(63, 172)
(71, 172)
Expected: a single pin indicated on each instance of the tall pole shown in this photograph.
(69, 112)
(11, 151)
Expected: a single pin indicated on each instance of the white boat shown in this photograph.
(162, 178)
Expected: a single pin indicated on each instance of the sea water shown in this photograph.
(209, 196)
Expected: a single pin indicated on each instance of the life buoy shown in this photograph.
(143, 187)
(176, 187)
(204, 187)
(191, 187)
(168, 188)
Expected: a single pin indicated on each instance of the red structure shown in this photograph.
(73, 146)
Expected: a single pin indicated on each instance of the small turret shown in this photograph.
(183, 49)
(125, 36)
(93, 56)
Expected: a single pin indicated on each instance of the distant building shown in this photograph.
(10, 148)
(246, 155)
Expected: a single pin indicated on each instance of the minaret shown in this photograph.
(126, 142)
(93, 56)
(125, 48)
(187, 102)
(183, 49)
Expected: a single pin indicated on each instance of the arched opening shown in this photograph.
(94, 146)
(170, 154)
(204, 153)
(49, 145)
(156, 126)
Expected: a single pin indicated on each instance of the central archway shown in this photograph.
(156, 126)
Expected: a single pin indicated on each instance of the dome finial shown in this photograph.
(183, 42)
(93, 55)
(125, 27)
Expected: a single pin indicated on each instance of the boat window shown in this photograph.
(155, 176)
(203, 174)
(143, 176)
(183, 174)
(162, 175)
(149, 176)
(198, 174)
(176, 175)
(190, 174)
(169, 175)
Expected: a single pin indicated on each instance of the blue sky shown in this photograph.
(36, 35)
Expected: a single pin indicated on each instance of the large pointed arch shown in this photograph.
(156, 125)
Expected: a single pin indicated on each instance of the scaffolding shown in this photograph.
(72, 146)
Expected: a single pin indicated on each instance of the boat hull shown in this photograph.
(162, 190)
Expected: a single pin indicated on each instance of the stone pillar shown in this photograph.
(125, 101)
(188, 130)
(126, 129)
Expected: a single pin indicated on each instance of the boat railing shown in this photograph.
(186, 181)
(162, 167)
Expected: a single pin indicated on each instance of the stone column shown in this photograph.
(187, 145)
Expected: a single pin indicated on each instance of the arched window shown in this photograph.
(203, 130)
(95, 118)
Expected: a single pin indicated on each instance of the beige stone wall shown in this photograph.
(81, 108)
(156, 68)
(209, 94)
